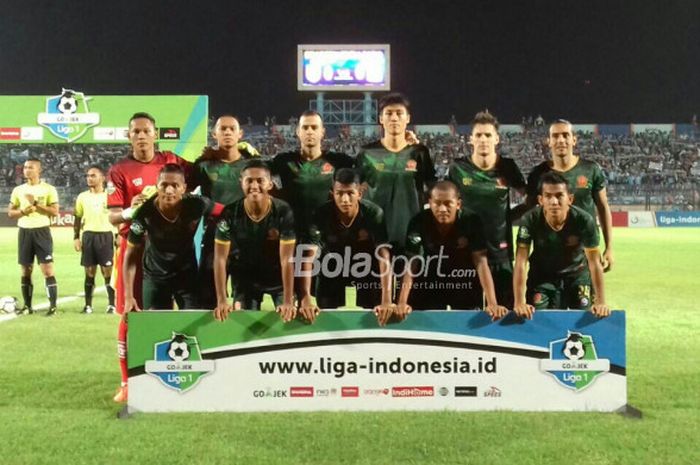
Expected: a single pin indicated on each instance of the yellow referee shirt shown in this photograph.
(44, 194)
(92, 208)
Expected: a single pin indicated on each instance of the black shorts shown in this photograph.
(97, 248)
(330, 292)
(250, 295)
(34, 242)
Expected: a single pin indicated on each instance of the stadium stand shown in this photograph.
(651, 170)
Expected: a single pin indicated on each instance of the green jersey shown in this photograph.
(456, 248)
(557, 254)
(396, 182)
(170, 247)
(255, 246)
(487, 193)
(585, 180)
(220, 180)
(306, 184)
(366, 232)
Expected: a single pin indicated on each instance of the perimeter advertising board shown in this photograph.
(74, 116)
(435, 360)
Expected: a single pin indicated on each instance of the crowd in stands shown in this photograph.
(653, 168)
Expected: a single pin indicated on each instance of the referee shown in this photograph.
(97, 243)
(32, 204)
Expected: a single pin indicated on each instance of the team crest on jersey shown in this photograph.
(136, 228)
(411, 165)
(380, 166)
(572, 241)
(362, 235)
(273, 234)
(110, 188)
(414, 238)
(327, 168)
(137, 181)
(223, 226)
(523, 233)
(582, 181)
(213, 176)
(537, 298)
(467, 181)
(462, 242)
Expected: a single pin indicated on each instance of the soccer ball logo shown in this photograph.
(67, 103)
(179, 350)
(8, 304)
(574, 349)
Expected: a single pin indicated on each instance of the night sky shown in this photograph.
(614, 62)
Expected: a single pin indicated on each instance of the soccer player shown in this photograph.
(446, 248)
(169, 220)
(585, 177)
(255, 238)
(130, 182)
(351, 228)
(33, 204)
(394, 172)
(485, 180)
(306, 174)
(565, 261)
(97, 243)
(218, 173)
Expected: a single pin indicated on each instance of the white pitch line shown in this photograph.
(45, 305)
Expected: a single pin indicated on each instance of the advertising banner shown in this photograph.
(435, 360)
(73, 116)
(678, 219)
(641, 219)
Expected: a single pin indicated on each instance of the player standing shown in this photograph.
(394, 172)
(485, 180)
(584, 177)
(255, 240)
(306, 174)
(218, 173)
(131, 181)
(96, 246)
(447, 242)
(565, 260)
(33, 204)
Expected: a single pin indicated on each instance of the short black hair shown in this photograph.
(172, 168)
(226, 115)
(34, 159)
(308, 113)
(394, 98)
(256, 164)
(561, 121)
(445, 186)
(143, 114)
(552, 178)
(485, 117)
(95, 167)
(346, 176)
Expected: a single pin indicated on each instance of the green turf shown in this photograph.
(58, 376)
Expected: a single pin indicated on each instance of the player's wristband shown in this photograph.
(127, 213)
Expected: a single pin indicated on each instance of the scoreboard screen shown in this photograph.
(343, 67)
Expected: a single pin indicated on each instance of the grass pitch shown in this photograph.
(58, 376)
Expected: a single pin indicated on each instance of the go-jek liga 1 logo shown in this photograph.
(178, 363)
(67, 115)
(573, 361)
